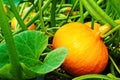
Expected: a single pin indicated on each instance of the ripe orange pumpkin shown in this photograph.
(87, 52)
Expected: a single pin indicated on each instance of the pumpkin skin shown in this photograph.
(87, 53)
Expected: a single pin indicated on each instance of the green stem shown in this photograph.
(111, 31)
(38, 13)
(81, 12)
(107, 10)
(116, 5)
(20, 21)
(62, 18)
(92, 23)
(112, 77)
(116, 67)
(53, 9)
(61, 3)
(41, 18)
(64, 5)
(92, 76)
(73, 7)
(30, 9)
(97, 12)
(21, 9)
(112, 69)
(87, 13)
(12, 52)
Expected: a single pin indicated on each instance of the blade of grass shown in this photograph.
(12, 52)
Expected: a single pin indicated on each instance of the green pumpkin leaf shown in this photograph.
(5, 71)
(52, 61)
(4, 62)
(30, 45)
(32, 42)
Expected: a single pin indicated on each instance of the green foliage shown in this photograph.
(49, 16)
(16, 2)
(97, 12)
(56, 57)
(92, 77)
(30, 45)
(116, 5)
